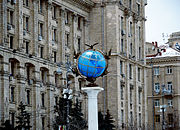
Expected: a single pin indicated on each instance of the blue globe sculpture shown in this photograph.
(91, 64)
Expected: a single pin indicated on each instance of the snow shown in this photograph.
(170, 52)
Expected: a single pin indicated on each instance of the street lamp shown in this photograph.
(67, 92)
(68, 95)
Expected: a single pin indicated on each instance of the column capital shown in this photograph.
(92, 91)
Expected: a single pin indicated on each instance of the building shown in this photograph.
(151, 48)
(120, 25)
(174, 41)
(36, 36)
(163, 88)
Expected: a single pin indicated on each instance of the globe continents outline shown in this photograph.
(91, 63)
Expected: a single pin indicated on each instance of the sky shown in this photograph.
(163, 16)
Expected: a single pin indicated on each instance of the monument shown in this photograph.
(91, 64)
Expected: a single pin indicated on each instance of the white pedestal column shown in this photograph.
(92, 106)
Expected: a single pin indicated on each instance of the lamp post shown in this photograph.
(67, 95)
(67, 92)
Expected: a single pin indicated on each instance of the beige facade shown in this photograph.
(174, 41)
(120, 26)
(38, 34)
(163, 88)
(35, 36)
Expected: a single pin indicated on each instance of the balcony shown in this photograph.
(168, 93)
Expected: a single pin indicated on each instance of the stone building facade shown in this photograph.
(163, 88)
(36, 36)
(120, 25)
(174, 41)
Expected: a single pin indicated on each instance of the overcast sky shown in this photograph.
(163, 16)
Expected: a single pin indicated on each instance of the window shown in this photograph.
(139, 52)
(130, 28)
(27, 24)
(122, 24)
(122, 116)
(139, 74)
(40, 6)
(122, 45)
(11, 45)
(43, 122)
(130, 71)
(41, 29)
(139, 32)
(156, 70)
(139, 96)
(170, 103)
(12, 94)
(122, 92)
(157, 118)
(131, 117)
(44, 76)
(138, 9)
(130, 4)
(156, 103)
(12, 118)
(42, 100)
(66, 17)
(55, 56)
(27, 47)
(26, 3)
(169, 86)
(28, 72)
(140, 119)
(54, 35)
(54, 12)
(157, 87)
(79, 44)
(67, 40)
(11, 18)
(131, 48)
(80, 84)
(169, 70)
(41, 52)
(170, 119)
(131, 100)
(28, 97)
(56, 79)
(79, 22)
(13, 1)
(12, 69)
(121, 67)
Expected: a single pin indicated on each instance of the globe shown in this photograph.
(91, 64)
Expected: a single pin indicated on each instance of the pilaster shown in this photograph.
(63, 33)
(49, 30)
(85, 33)
(74, 30)
(4, 90)
(35, 27)
(36, 99)
(21, 83)
(19, 24)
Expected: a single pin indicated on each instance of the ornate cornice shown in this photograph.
(172, 60)
(86, 3)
